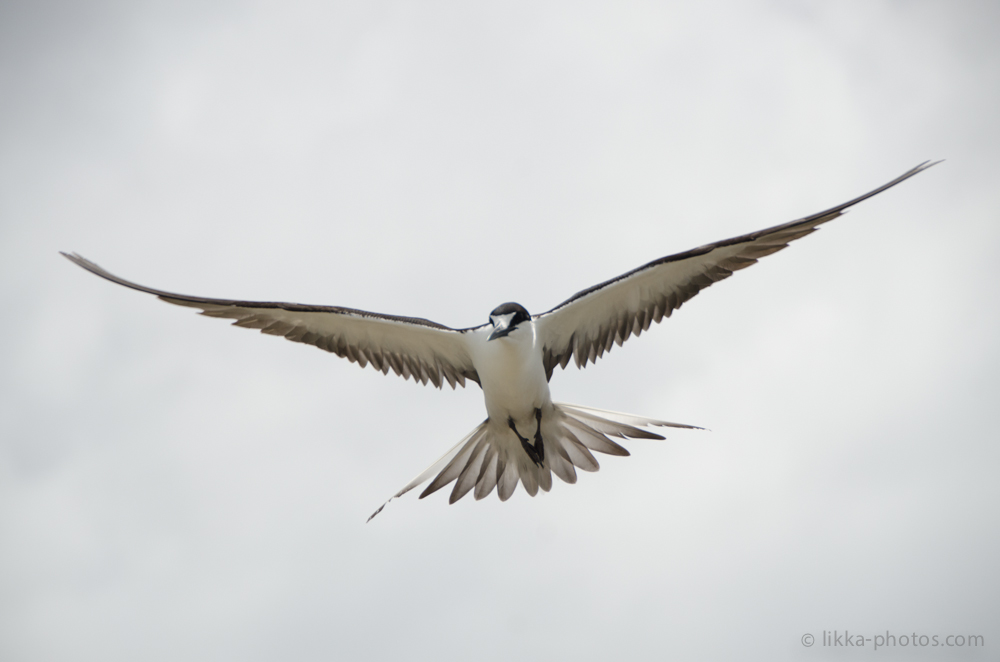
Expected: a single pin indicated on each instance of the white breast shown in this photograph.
(511, 373)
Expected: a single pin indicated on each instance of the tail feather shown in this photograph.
(471, 473)
(507, 483)
(445, 459)
(545, 478)
(561, 466)
(608, 416)
(488, 477)
(491, 458)
(620, 430)
(529, 478)
(578, 453)
(594, 440)
(454, 468)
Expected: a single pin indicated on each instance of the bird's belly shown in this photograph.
(514, 384)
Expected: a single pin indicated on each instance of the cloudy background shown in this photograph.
(171, 488)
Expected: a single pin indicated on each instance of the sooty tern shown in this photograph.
(526, 437)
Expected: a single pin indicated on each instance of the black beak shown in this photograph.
(500, 332)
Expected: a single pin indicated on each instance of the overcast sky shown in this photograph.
(175, 489)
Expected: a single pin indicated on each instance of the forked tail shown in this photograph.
(487, 458)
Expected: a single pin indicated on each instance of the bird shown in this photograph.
(526, 437)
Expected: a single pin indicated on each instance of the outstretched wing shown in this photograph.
(586, 325)
(410, 346)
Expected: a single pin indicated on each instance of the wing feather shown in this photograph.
(411, 347)
(591, 322)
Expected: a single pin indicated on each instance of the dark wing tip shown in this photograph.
(81, 261)
(97, 270)
(376, 512)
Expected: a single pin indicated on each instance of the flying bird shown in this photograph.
(526, 437)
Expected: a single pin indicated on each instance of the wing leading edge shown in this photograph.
(589, 323)
(409, 346)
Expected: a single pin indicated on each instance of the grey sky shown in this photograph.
(171, 488)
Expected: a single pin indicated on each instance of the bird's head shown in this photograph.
(506, 317)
